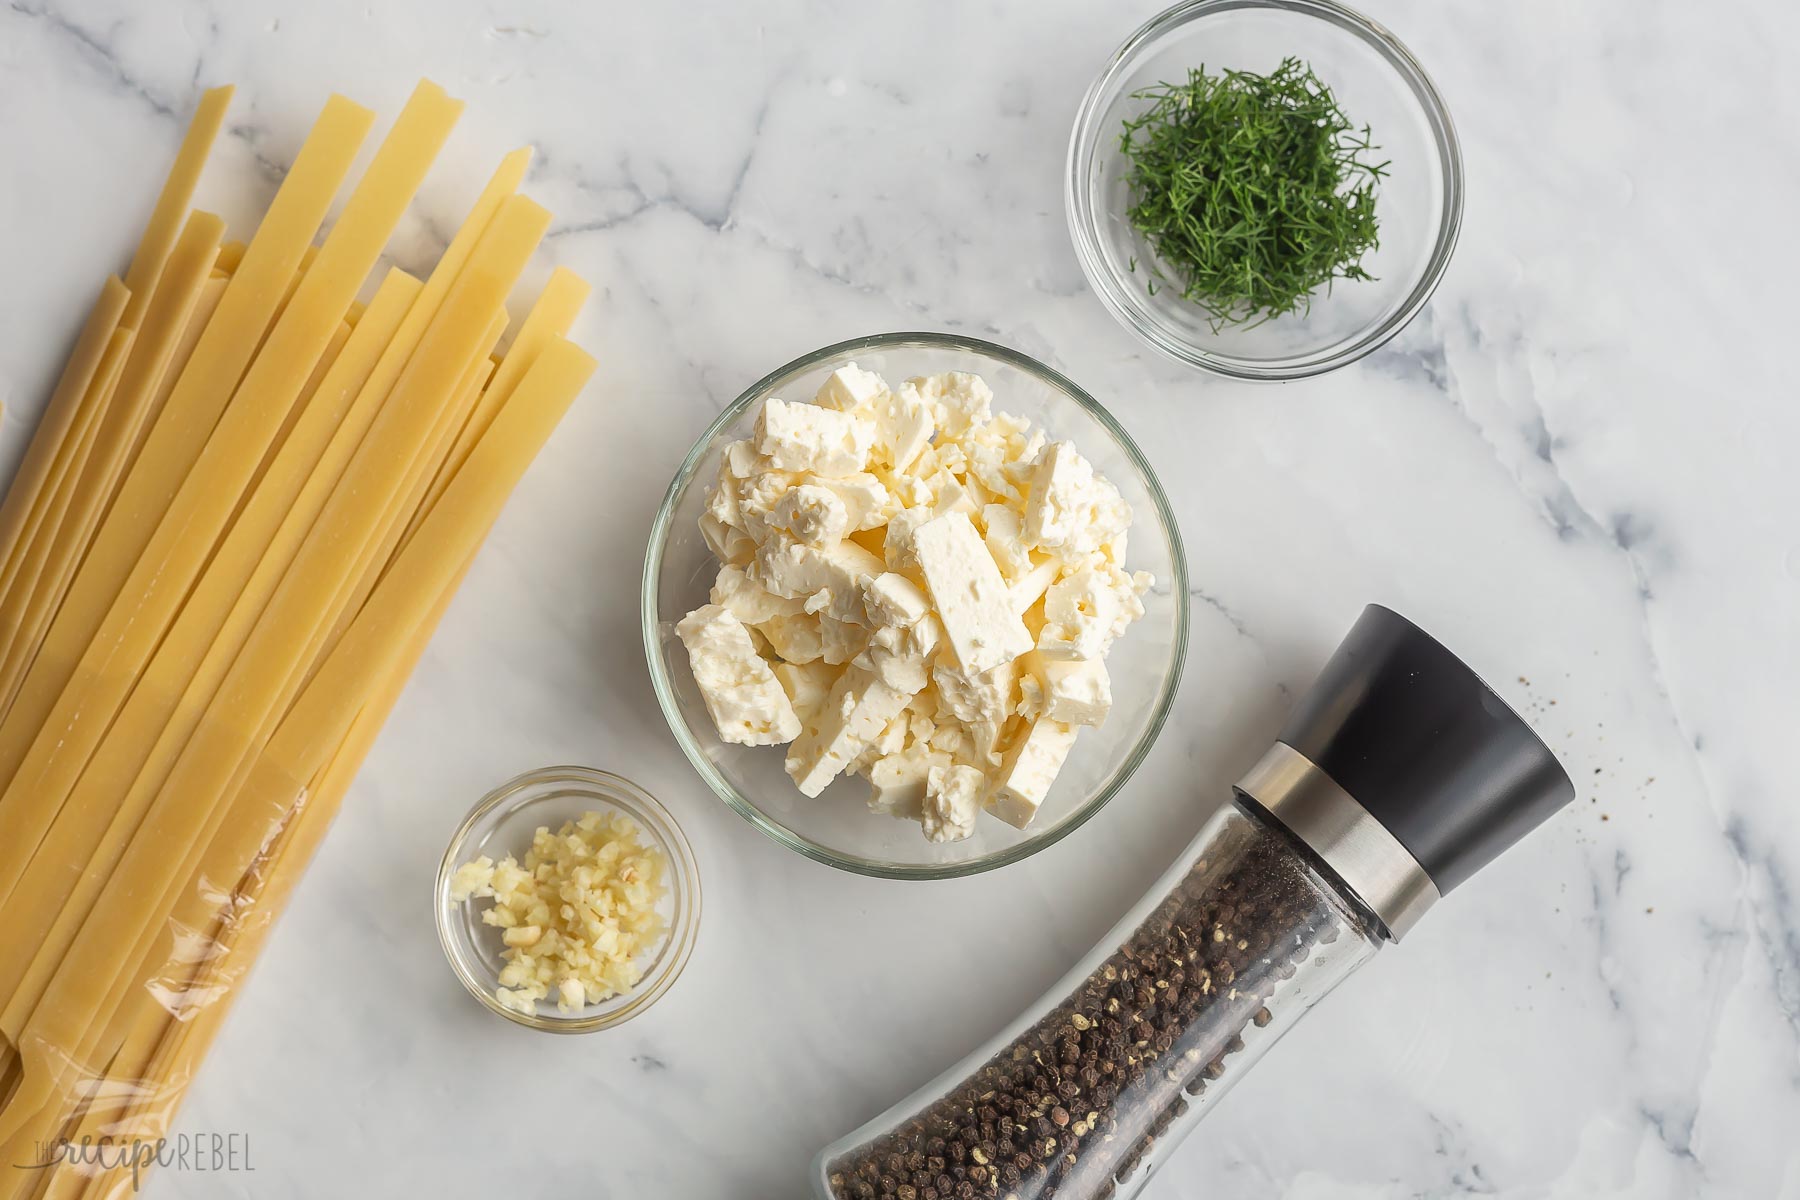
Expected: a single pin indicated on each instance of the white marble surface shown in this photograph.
(1576, 468)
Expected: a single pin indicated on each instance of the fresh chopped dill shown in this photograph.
(1252, 190)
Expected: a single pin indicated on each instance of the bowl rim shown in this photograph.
(684, 886)
(1083, 216)
(690, 746)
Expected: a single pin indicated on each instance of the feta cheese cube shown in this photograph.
(807, 438)
(1087, 611)
(1072, 509)
(1030, 587)
(971, 598)
(756, 496)
(866, 499)
(1028, 770)
(741, 459)
(897, 781)
(813, 514)
(901, 655)
(859, 708)
(849, 388)
(797, 638)
(958, 400)
(840, 641)
(748, 600)
(904, 426)
(951, 496)
(982, 702)
(799, 571)
(722, 505)
(1059, 496)
(727, 544)
(1031, 696)
(808, 686)
(898, 550)
(1074, 691)
(952, 798)
(892, 740)
(892, 599)
(741, 692)
(1006, 541)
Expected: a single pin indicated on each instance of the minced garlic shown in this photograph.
(577, 916)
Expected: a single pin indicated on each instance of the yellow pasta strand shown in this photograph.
(22, 610)
(183, 542)
(59, 414)
(58, 1041)
(145, 273)
(178, 291)
(187, 419)
(56, 887)
(552, 316)
(110, 776)
(163, 1054)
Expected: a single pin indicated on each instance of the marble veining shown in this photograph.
(1575, 467)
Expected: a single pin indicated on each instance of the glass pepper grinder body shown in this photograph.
(1128, 1051)
(1397, 776)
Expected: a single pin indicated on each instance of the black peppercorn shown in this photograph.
(1149, 1027)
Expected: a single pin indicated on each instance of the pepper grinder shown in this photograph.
(1398, 776)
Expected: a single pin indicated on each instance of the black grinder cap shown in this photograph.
(1415, 736)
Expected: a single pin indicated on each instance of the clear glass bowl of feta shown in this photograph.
(837, 827)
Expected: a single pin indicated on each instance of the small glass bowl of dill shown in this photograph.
(1264, 189)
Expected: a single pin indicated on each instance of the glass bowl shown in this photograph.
(502, 823)
(837, 827)
(1378, 83)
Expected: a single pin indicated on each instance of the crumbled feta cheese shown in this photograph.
(1072, 509)
(981, 702)
(900, 655)
(899, 549)
(799, 571)
(1075, 692)
(741, 693)
(1006, 541)
(813, 514)
(936, 583)
(805, 437)
(971, 598)
(952, 798)
(808, 686)
(904, 426)
(728, 544)
(840, 641)
(865, 498)
(897, 781)
(850, 388)
(748, 600)
(1087, 611)
(1028, 770)
(892, 599)
(795, 639)
(957, 399)
(859, 708)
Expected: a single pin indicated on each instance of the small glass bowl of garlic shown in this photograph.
(568, 900)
